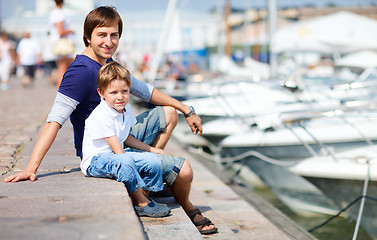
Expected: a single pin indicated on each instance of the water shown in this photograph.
(339, 228)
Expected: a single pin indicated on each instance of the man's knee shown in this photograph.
(171, 115)
(186, 173)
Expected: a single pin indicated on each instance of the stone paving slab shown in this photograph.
(175, 226)
(70, 227)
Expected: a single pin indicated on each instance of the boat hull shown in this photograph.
(344, 191)
(294, 191)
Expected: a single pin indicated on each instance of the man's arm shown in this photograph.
(150, 94)
(43, 144)
(60, 112)
(160, 98)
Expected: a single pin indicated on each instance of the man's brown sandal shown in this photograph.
(200, 222)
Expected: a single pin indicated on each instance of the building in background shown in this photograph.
(193, 31)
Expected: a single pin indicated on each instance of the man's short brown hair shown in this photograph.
(104, 16)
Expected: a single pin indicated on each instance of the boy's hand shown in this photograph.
(23, 175)
(157, 150)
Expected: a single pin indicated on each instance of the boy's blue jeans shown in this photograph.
(136, 168)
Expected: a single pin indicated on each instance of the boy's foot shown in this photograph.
(161, 204)
(152, 210)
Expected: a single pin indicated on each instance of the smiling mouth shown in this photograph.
(107, 49)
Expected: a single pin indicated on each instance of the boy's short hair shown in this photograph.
(110, 72)
(104, 16)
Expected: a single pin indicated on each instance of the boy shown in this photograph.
(107, 130)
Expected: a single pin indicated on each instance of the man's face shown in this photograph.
(104, 42)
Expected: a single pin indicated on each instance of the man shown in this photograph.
(77, 97)
(7, 59)
(28, 56)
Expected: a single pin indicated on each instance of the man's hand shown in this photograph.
(23, 175)
(195, 124)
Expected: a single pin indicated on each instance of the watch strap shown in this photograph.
(191, 112)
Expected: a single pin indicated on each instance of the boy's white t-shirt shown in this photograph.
(104, 122)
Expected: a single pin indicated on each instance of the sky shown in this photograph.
(8, 7)
(205, 5)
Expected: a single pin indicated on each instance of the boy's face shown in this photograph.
(104, 42)
(116, 95)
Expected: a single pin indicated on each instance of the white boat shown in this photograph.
(269, 154)
(236, 107)
(346, 177)
(264, 120)
(347, 85)
(307, 136)
(240, 98)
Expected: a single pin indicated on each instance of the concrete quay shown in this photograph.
(63, 204)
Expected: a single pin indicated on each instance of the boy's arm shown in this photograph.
(43, 144)
(135, 143)
(115, 145)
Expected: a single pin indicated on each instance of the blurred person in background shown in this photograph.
(49, 59)
(59, 29)
(7, 60)
(28, 57)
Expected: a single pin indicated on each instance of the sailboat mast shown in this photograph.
(228, 29)
(272, 19)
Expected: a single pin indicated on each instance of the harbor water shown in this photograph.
(339, 228)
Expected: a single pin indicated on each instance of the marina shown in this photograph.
(287, 101)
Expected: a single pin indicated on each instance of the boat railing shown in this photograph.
(222, 101)
(355, 85)
(288, 119)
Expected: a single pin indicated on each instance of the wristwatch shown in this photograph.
(191, 112)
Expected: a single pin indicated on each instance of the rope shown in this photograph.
(261, 157)
(341, 211)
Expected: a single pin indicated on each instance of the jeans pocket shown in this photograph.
(100, 167)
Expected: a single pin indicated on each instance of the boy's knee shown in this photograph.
(123, 172)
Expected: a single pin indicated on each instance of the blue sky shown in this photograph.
(205, 5)
(8, 7)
